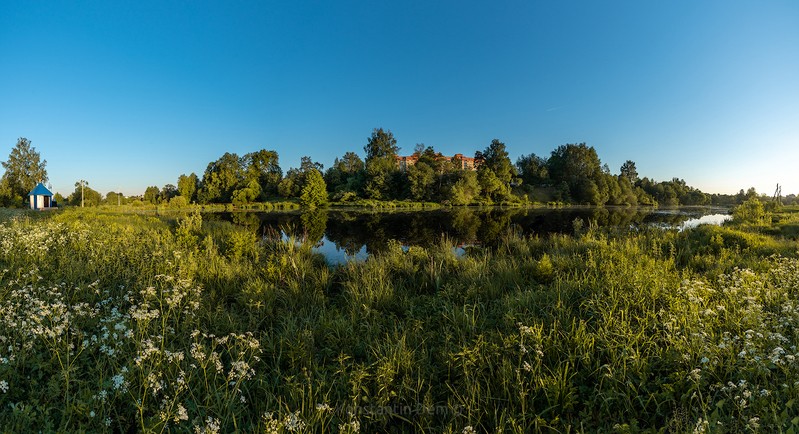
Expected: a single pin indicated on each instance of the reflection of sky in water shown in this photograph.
(337, 255)
(712, 219)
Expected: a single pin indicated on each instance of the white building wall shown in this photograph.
(39, 199)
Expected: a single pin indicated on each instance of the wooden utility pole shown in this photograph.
(82, 183)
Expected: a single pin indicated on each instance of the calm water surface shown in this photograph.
(347, 234)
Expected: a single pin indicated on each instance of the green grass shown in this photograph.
(115, 322)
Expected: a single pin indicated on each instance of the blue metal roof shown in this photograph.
(40, 190)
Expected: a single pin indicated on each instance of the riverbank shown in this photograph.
(126, 322)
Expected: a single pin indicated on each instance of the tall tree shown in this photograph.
(167, 192)
(532, 169)
(262, 167)
(578, 167)
(314, 192)
(23, 170)
(381, 161)
(187, 186)
(151, 194)
(629, 171)
(421, 179)
(495, 157)
(463, 188)
(346, 174)
(294, 182)
(221, 179)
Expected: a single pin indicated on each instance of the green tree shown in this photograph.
(114, 198)
(291, 185)
(346, 174)
(263, 168)
(381, 162)
(151, 194)
(532, 169)
(221, 179)
(314, 190)
(579, 168)
(167, 192)
(247, 194)
(89, 196)
(492, 187)
(188, 185)
(464, 188)
(429, 156)
(421, 179)
(751, 211)
(294, 182)
(627, 193)
(629, 171)
(495, 157)
(23, 170)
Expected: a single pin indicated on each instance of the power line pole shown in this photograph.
(82, 183)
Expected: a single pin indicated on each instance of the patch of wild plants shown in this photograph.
(122, 322)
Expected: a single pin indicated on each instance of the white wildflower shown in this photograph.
(293, 423)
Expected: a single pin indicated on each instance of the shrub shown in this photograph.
(751, 211)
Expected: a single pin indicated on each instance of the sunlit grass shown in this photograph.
(130, 322)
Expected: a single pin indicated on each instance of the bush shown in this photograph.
(751, 211)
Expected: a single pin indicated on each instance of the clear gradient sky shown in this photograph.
(127, 94)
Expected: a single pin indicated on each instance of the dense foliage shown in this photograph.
(129, 323)
(572, 174)
(23, 170)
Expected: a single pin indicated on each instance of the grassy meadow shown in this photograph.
(121, 322)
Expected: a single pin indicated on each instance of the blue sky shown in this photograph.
(131, 94)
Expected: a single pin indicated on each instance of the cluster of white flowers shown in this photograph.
(240, 370)
(534, 333)
(324, 408)
(746, 319)
(353, 426)
(212, 426)
(701, 426)
(291, 422)
(119, 383)
(33, 242)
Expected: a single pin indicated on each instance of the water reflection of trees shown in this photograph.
(351, 231)
(246, 219)
(314, 223)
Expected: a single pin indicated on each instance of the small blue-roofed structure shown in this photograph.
(41, 198)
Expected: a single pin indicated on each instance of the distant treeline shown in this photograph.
(571, 174)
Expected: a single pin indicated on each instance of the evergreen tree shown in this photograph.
(314, 192)
(381, 161)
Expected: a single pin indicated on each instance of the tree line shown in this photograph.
(570, 174)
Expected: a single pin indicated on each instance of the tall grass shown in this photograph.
(122, 322)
